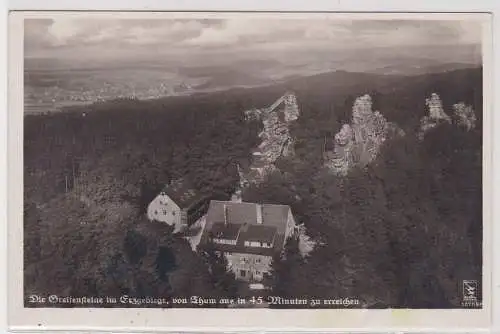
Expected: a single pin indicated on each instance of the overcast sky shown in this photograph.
(101, 38)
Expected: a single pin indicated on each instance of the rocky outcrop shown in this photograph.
(463, 116)
(275, 135)
(276, 138)
(435, 106)
(358, 143)
(342, 158)
(435, 117)
(291, 110)
(252, 114)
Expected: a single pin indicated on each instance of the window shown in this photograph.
(257, 273)
(156, 212)
(164, 212)
(173, 213)
(243, 273)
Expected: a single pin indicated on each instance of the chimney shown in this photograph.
(259, 213)
(225, 214)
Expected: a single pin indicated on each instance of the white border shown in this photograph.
(3, 169)
(262, 5)
(212, 320)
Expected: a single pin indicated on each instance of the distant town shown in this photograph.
(55, 94)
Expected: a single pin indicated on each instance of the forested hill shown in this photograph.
(90, 172)
(401, 232)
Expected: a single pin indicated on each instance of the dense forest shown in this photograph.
(403, 232)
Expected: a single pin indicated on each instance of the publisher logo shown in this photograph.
(470, 290)
(470, 293)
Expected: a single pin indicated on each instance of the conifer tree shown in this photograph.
(222, 279)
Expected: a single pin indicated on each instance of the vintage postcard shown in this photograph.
(249, 170)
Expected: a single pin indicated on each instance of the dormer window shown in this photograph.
(258, 244)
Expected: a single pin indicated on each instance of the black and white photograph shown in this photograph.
(253, 161)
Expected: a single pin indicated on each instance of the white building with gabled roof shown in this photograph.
(178, 204)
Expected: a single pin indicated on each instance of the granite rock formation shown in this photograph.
(358, 143)
(435, 117)
(463, 116)
(276, 140)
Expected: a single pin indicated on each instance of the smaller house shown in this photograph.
(179, 204)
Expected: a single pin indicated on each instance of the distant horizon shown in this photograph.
(151, 58)
(33, 108)
(470, 54)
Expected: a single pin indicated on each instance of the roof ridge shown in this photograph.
(269, 204)
(250, 203)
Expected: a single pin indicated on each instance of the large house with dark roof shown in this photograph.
(179, 204)
(248, 234)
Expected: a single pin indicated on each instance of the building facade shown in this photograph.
(249, 235)
(178, 205)
(165, 210)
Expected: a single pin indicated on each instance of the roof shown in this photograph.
(237, 213)
(260, 233)
(240, 246)
(275, 215)
(183, 193)
(226, 231)
(272, 227)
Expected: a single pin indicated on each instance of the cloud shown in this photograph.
(51, 37)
